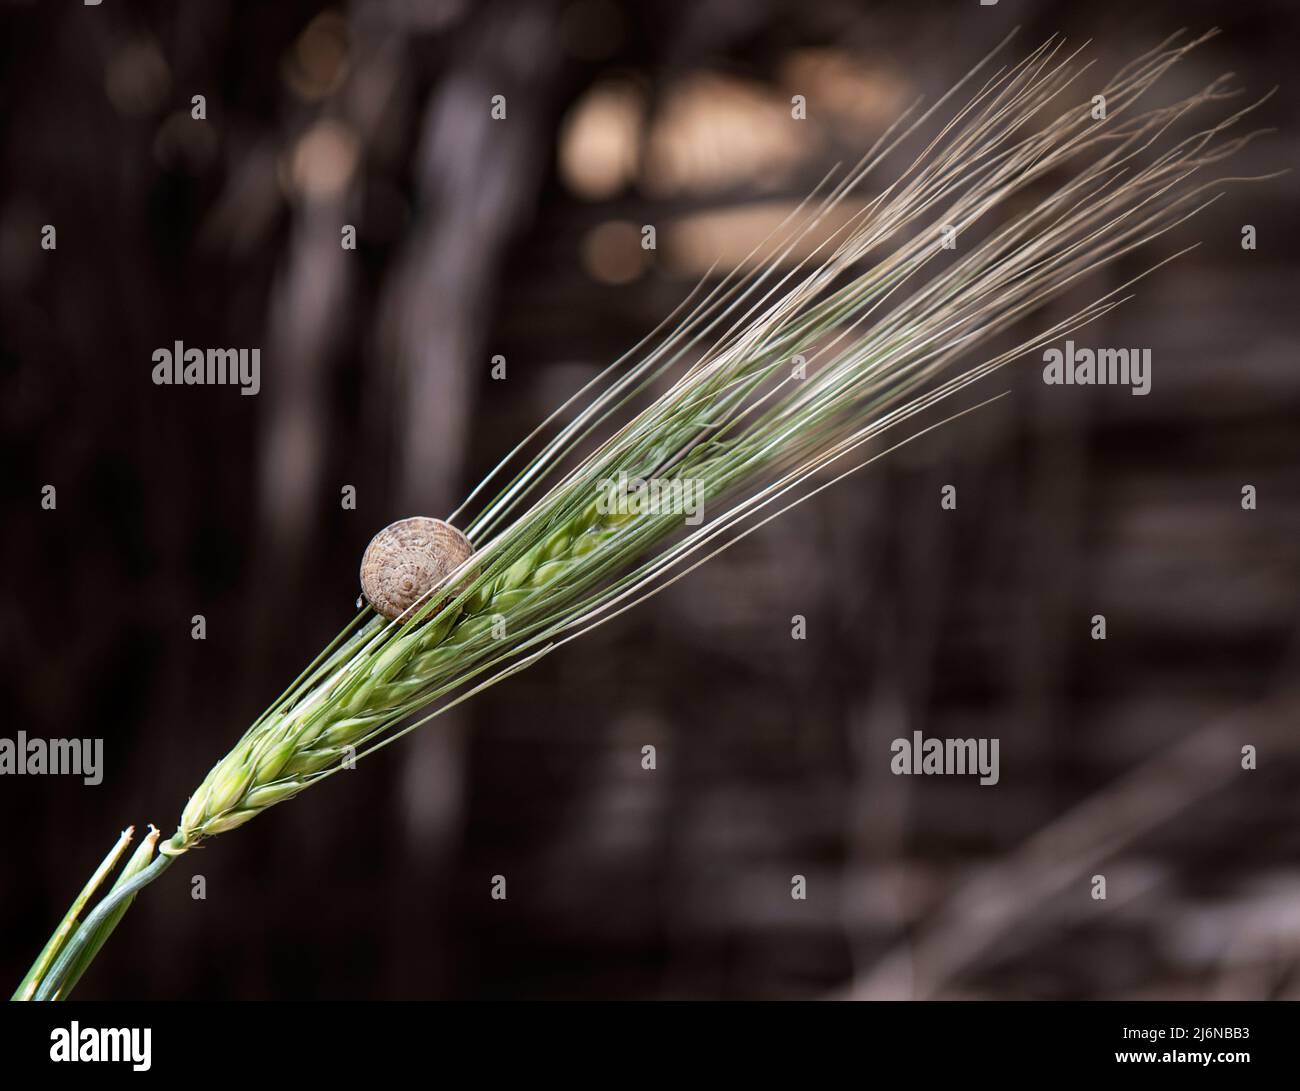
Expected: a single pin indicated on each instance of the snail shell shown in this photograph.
(408, 559)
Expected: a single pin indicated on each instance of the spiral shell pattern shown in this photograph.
(408, 559)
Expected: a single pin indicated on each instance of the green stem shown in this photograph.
(139, 861)
(78, 952)
(36, 975)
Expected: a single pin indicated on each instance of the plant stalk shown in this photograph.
(76, 953)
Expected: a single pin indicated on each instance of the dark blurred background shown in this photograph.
(475, 238)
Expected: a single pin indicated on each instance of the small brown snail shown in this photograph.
(408, 559)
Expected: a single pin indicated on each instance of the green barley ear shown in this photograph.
(1037, 193)
(879, 312)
